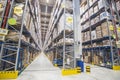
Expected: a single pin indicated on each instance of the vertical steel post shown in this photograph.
(20, 35)
(64, 62)
(77, 31)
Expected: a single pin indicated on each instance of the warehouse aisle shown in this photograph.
(42, 69)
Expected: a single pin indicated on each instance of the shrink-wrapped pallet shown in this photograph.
(2, 3)
(67, 41)
(18, 12)
(14, 36)
(68, 25)
(102, 3)
(118, 5)
(69, 4)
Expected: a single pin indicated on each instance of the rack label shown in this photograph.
(111, 27)
(118, 29)
(2, 37)
(0, 5)
(118, 44)
(69, 19)
(63, 5)
(12, 21)
(18, 10)
(3, 31)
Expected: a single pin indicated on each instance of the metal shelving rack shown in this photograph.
(67, 52)
(112, 51)
(12, 52)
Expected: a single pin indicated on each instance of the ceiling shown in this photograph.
(46, 9)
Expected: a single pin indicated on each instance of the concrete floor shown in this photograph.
(42, 69)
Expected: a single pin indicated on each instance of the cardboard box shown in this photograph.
(107, 43)
(87, 59)
(93, 34)
(87, 36)
(96, 60)
(118, 31)
(91, 11)
(69, 4)
(105, 15)
(106, 28)
(102, 3)
(118, 5)
(14, 36)
(99, 32)
(99, 44)
(90, 2)
(68, 26)
(95, 9)
(94, 44)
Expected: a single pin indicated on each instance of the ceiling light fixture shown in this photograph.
(47, 1)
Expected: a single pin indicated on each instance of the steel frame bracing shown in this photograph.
(12, 52)
(111, 50)
(65, 53)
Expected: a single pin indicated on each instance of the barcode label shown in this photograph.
(3, 31)
(2, 37)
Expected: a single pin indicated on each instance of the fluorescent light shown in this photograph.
(47, 1)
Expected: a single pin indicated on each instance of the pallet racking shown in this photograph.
(99, 22)
(62, 38)
(22, 43)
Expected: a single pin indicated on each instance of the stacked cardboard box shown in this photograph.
(14, 36)
(87, 36)
(88, 46)
(98, 32)
(96, 59)
(50, 56)
(94, 45)
(55, 33)
(18, 16)
(106, 28)
(2, 2)
(25, 58)
(92, 22)
(91, 11)
(87, 57)
(90, 2)
(118, 31)
(68, 25)
(99, 44)
(96, 19)
(96, 9)
(102, 3)
(69, 4)
(83, 37)
(93, 34)
(107, 43)
(106, 15)
(118, 5)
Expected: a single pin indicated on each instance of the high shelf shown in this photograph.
(62, 43)
(100, 32)
(21, 43)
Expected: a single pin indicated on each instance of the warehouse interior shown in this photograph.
(60, 39)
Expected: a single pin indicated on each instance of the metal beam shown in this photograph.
(46, 14)
(42, 24)
(45, 19)
(46, 4)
